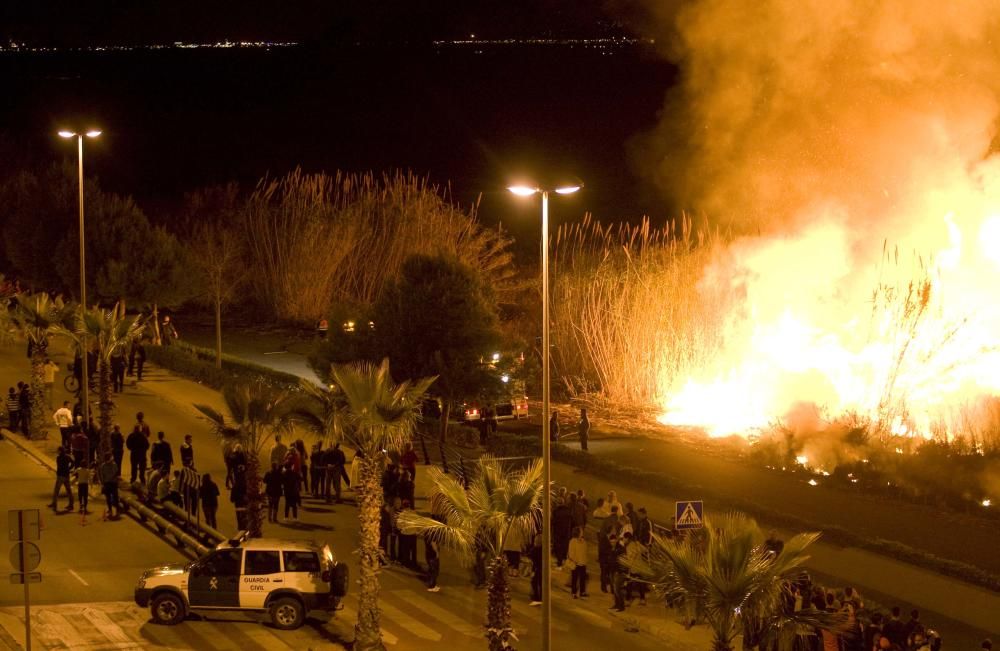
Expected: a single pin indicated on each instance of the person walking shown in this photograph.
(137, 444)
(209, 493)
(13, 409)
(140, 360)
(64, 466)
(187, 452)
(63, 418)
(161, 453)
(273, 487)
(584, 429)
(577, 558)
(168, 332)
(108, 474)
(117, 446)
(290, 479)
(433, 563)
(83, 474)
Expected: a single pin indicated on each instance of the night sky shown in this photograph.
(106, 22)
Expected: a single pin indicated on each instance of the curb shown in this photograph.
(25, 447)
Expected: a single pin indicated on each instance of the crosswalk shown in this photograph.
(411, 619)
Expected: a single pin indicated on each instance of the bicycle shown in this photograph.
(71, 383)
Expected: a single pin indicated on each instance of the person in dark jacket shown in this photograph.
(562, 531)
(335, 462)
(140, 360)
(433, 559)
(643, 528)
(290, 479)
(405, 488)
(273, 488)
(584, 429)
(554, 426)
(107, 472)
(535, 554)
(161, 453)
(187, 452)
(24, 400)
(209, 494)
(117, 446)
(894, 629)
(64, 465)
(137, 445)
(118, 372)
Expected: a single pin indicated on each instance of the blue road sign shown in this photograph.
(689, 515)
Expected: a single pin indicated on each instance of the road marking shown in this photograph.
(347, 616)
(409, 623)
(421, 602)
(78, 577)
(533, 614)
(108, 628)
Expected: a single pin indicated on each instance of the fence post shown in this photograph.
(465, 476)
(444, 459)
(423, 446)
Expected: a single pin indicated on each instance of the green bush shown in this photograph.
(661, 484)
(198, 364)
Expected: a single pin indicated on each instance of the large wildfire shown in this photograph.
(855, 141)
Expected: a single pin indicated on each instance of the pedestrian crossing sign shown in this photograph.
(689, 515)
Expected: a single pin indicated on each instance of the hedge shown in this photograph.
(198, 364)
(659, 483)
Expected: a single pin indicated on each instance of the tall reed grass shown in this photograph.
(318, 238)
(629, 315)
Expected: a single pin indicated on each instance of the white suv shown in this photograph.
(283, 577)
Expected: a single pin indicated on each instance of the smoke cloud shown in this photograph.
(786, 104)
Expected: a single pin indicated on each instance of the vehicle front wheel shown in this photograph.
(167, 609)
(287, 613)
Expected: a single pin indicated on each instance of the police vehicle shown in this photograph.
(284, 578)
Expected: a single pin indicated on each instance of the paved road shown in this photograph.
(81, 560)
(110, 556)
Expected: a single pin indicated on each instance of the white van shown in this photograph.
(285, 578)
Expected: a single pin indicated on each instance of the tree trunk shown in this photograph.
(445, 415)
(156, 326)
(218, 333)
(255, 500)
(498, 629)
(367, 631)
(39, 357)
(106, 406)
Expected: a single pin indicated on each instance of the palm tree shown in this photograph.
(37, 316)
(257, 410)
(725, 574)
(111, 332)
(369, 412)
(498, 503)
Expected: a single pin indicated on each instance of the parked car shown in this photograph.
(512, 409)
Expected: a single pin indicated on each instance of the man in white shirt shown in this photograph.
(64, 421)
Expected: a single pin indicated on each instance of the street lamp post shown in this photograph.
(527, 191)
(84, 374)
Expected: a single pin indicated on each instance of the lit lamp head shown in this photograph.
(523, 190)
(526, 190)
(90, 133)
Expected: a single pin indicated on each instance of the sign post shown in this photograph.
(23, 527)
(689, 514)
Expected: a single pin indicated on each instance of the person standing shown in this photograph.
(562, 531)
(209, 493)
(161, 453)
(80, 446)
(577, 556)
(617, 573)
(290, 479)
(83, 474)
(140, 421)
(643, 528)
(238, 496)
(584, 429)
(49, 372)
(317, 470)
(408, 461)
(273, 486)
(300, 447)
(13, 409)
(118, 371)
(187, 452)
(335, 462)
(433, 563)
(535, 554)
(64, 466)
(117, 447)
(63, 419)
(554, 427)
(137, 444)
(108, 474)
(278, 451)
(24, 400)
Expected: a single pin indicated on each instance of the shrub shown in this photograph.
(198, 364)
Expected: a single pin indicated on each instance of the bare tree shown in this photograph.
(216, 251)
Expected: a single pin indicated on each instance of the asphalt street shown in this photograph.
(109, 556)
